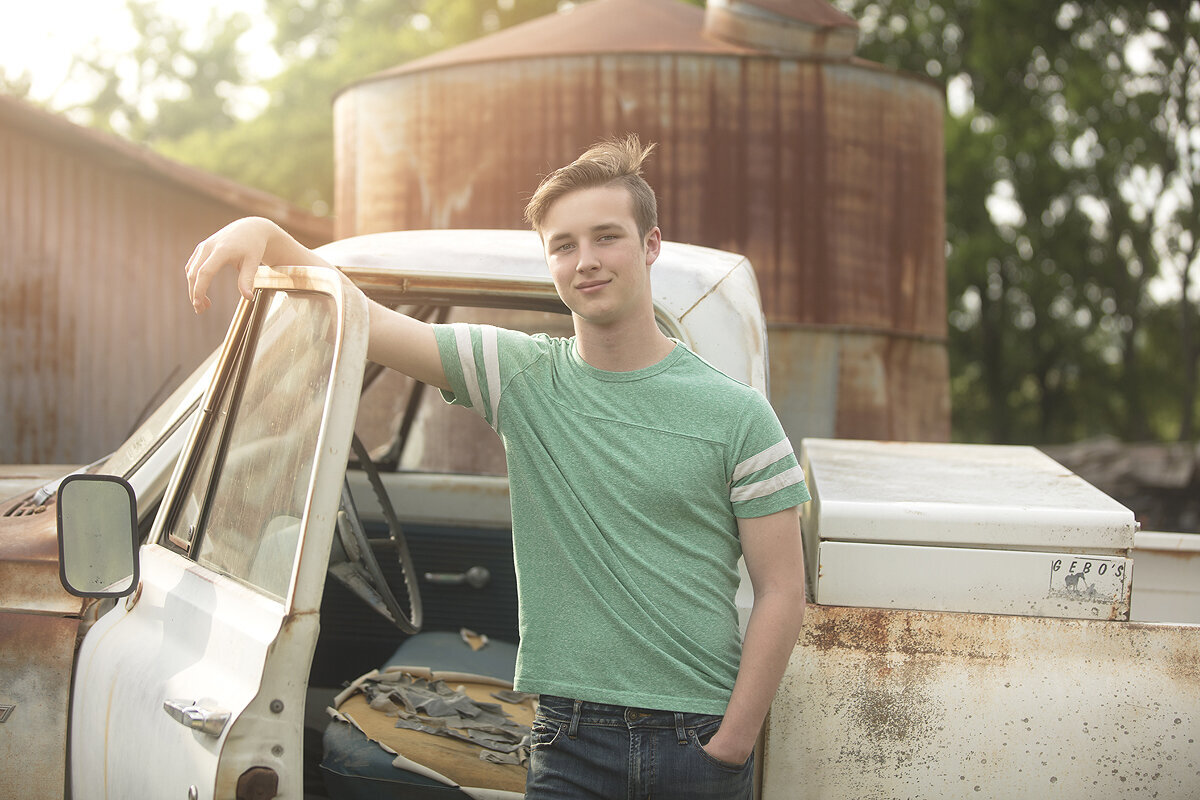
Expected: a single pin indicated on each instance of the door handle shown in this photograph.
(476, 577)
(199, 715)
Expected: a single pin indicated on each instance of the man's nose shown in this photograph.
(588, 259)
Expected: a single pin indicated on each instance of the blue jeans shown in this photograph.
(601, 752)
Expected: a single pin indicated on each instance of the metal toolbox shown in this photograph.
(954, 527)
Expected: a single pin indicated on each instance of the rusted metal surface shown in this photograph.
(92, 301)
(613, 26)
(257, 783)
(898, 704)
(826, 174)
(29, 579)
(832, 382)
(784, 26)
(21, 479)
(35, 680)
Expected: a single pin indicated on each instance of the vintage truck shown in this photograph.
(234, 565)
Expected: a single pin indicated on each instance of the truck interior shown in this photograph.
(434, 463)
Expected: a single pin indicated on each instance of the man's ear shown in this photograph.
(653, 244)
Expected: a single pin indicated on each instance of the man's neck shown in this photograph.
(621, 348)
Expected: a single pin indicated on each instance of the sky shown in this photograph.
(41, 36)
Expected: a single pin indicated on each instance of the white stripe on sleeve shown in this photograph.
(766, 458)
(768, 486)
(466, 358)
(491, 366)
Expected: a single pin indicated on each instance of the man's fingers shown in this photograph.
(204, 275)
(246, 272)
(189, 271)
(240, 245)
(201, 277)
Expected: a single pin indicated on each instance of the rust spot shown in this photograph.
(1183, 662)
(866, 629)
(257, 783)
(891, 715)
(906, 633)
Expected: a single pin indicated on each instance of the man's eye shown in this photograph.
(563, 248)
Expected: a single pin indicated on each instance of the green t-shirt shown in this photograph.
(625, 491)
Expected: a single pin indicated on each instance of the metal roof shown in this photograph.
(121, 153)
(618, 26)
(600, 26)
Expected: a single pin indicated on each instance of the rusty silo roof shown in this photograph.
(623, 26)
(599, 26)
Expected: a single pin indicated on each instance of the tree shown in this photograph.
(166, 87)
(182, 97)
(325, 46)
(1071, 150)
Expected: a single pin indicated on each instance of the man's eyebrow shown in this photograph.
(597, 228)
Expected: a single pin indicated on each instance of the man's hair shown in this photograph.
(609, 162)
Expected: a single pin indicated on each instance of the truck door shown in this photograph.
(193, 687)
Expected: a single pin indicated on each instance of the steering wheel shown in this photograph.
(353, 562)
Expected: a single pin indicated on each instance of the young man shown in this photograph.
(638, 475)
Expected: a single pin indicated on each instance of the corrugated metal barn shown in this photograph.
(95, 326)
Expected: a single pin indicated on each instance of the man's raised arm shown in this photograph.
(397, 341)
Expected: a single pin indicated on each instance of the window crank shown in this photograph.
(476, 577)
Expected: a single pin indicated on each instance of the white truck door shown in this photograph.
(194, 686)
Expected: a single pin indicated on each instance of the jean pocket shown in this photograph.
(544, 733)
(696, 734)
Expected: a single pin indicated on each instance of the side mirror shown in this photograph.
(97, 536)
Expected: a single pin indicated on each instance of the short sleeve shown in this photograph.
(477, 359)
(766, 476)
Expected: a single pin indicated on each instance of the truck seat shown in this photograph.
(356, 765)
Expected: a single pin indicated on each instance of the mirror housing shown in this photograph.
(97, 536)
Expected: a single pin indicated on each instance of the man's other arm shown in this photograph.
(397, 341)
(775, 562)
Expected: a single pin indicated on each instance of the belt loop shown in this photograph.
(679, 728)
(573, 731)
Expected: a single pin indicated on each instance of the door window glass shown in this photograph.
(247, 497)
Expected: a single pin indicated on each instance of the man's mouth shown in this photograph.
(585, 286)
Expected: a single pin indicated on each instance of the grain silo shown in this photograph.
(775, 141)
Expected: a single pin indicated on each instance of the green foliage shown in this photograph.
(179, 98)
(166, 86)
(1072, 164)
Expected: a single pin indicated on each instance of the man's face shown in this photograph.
(599, 262)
